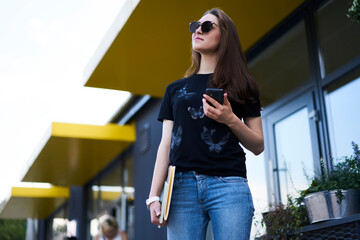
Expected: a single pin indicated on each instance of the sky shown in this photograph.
(44, 48)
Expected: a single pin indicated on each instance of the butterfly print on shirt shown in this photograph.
(183, 93)
(176, 138)
(196, 114)
(207, 137)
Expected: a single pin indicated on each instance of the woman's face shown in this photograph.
(207, 43)
(110, 232)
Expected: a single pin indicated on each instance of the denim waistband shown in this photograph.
(194, 174)
(189, 174)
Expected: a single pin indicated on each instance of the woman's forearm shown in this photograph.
(249, 134)
(162, 160)
(160, 170)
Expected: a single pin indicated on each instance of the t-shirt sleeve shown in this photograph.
(166, 110)
(247, 109)
(250, 109)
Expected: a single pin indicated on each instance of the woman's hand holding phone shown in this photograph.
(216, 93)
(221, 113)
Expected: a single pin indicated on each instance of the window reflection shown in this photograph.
(294, 153)
(342, 103)
(113, 194)
(59, 225)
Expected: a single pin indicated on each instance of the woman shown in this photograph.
(201, 138)
(109, 229)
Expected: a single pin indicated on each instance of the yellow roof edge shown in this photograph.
(116, 26)
(35, 192)
(107, 195)
(110, 131)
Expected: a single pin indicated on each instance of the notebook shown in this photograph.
(166, 194)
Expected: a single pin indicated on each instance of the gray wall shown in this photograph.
(148, 135)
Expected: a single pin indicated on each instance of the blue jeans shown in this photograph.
(196, 199)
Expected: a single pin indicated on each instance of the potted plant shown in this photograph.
(354, 11)
(336, 193)
(285, 221)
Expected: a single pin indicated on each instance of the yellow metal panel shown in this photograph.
(107, 132)
(52, 192)
(73, 153)
(107, 196)
(153, 47)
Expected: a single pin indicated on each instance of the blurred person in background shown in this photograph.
(109, 229)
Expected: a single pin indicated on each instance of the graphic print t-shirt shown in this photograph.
(199, 143)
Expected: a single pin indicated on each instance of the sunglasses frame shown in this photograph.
(202, 26)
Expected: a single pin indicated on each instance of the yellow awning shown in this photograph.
(153, 48)
(72, 154)
(32, 202)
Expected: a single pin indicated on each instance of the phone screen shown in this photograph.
(216, 93)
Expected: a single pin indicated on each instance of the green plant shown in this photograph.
(12, 229)
(285, 222)
(354, 11)
(343, 175)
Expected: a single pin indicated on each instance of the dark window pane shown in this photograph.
(338, 35)
(282, 67)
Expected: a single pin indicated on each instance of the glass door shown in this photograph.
(294, 150)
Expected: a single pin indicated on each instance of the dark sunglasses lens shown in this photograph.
(194, 26)
(206, 26)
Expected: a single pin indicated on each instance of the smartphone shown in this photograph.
(216, 93)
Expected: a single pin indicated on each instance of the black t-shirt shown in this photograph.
(200, 143)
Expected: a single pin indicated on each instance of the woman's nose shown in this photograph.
(198, 30)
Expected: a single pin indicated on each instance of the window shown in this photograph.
(342, 101)
(293, 152)
(113, 194)
(282, 67)
(338, 35)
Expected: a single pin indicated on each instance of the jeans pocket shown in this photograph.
(177, 180)
(233, 179)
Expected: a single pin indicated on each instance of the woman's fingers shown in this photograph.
(226, 100)
(155, 212)
(220, 112)
(215, 103)
(209, 110)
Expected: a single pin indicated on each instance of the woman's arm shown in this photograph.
(249, 132)
(160, 169)
(123, 235)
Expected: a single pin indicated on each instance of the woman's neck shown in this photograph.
(208, 63)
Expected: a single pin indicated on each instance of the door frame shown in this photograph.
(274, 115)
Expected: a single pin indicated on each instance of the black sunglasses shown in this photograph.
(205, 26)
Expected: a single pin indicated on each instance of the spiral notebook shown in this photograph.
(166, 194)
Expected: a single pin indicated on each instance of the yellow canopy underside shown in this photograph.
(73, 153)
(39, 203)
(153, 48)
(30, 202)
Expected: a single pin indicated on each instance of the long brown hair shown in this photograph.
(231, 72)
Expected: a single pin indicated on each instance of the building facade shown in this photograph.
(305, 56)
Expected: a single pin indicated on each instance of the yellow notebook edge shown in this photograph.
(171, 176)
